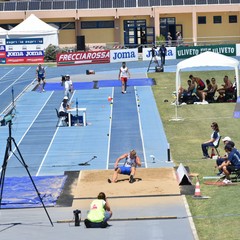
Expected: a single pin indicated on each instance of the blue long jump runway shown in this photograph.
(125, 130)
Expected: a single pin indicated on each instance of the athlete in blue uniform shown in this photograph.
(128, 168)
(40, 75)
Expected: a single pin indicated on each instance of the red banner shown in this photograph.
(79, 58)
(25, 60)
(2, 54)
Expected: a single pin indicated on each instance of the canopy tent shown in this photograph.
(3, 32)
(33, 27)
(207, 59)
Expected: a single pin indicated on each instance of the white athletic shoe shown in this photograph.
(226, 181)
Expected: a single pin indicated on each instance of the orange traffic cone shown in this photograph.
(197, 190)
(212, 153)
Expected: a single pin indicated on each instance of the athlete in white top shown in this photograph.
(123, 75)
(128, 168)
(68, 86)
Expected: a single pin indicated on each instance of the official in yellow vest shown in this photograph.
(99, 209)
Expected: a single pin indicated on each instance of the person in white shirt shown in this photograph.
(63, 109)
(123, 75)
(68, 85)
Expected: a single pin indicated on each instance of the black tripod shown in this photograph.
(11, 140)
(153, 59)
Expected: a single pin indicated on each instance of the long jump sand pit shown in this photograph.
(149, 182)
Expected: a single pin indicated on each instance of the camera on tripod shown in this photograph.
(77, 219)
(153, 51)
(64, 79)
(7, 118)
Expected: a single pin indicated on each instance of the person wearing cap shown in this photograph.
(100, 212)
(40, 75)
(222, 159)
(132, 161)
(231, 164)
(63, 109)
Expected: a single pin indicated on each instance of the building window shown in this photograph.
(202, 20)
(63, 25)
(97, 24)
(217, 19)
(233, 19)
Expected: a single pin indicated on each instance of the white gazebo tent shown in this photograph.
(33, 27)
(3, 32)
(208, 59)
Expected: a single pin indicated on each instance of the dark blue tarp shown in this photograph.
(19, 192)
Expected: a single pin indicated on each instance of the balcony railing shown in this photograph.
(96, 4)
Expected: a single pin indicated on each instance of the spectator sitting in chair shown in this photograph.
(185, 94)
(129, 167)
(210, 92)
(200, 85)
(212, 142)
(231, 164)
(221, 159)
(227, 87)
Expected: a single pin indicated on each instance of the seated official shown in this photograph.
(63, 110)
(232, 163)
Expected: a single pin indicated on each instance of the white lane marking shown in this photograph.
(110, 129)
(140, 123)
(14, 81)
(29, 126)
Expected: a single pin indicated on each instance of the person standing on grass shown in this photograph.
(123, 75)
(212, 142)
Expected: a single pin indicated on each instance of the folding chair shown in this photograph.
(235, 175)
(61, 120)
(216, 147)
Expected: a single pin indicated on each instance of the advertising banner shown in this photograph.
(147, 53)
(186, 52)
(237, 49)
(80, 58)
(2, 51)
(24, 50)
(124, 55)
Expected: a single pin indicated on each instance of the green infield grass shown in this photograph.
(218, 217)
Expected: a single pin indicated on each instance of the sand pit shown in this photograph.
(149, 181)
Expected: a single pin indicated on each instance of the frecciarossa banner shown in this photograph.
(79, 58)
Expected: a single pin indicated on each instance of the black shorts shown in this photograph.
(231, 168)
(200, 87)
(41, 79)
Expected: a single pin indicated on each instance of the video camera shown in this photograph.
(64, 78)
(7, 118)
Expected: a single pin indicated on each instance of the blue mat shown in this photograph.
(101, 83)
(19, 192)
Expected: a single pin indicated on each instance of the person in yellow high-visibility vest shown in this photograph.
(99, 209)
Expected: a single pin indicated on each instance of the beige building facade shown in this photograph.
(198, 24)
